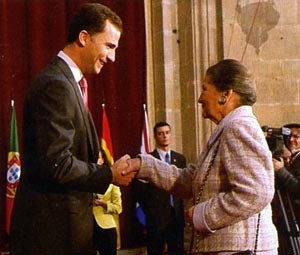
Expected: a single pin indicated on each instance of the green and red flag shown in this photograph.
(13, 166)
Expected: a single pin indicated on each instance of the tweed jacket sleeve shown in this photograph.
(168, 177)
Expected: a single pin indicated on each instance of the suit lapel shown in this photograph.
(87, 119)
(155, 154)
(172, 157)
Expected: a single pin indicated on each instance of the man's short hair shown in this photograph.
(92, 18)
(292, 125)
(160, 124)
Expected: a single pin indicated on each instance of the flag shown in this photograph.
(145, 144)
(106, 145)
(13, 166)
(106, 142)
(145, 149)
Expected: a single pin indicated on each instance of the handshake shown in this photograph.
(124, 170)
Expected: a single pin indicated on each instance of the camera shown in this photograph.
(276, 139)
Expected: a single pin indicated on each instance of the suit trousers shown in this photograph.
(171, 234)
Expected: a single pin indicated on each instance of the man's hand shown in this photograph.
(118, 177)
(277, 164)
(133, 166)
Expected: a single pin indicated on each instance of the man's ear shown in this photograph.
(82, 38)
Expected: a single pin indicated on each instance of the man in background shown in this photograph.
(53, 206)
(164, 213)
(287, 173)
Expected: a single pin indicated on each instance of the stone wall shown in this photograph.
(273, 54)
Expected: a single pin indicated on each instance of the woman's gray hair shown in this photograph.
(232, 74)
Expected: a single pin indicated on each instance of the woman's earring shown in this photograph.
(222, 100)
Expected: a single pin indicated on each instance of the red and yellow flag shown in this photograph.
(106, 142)
(13, 167)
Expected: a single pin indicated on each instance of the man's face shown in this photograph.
(100, 48)
(293, 142)
(163, 136)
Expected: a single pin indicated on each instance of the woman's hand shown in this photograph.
(189, 216)
(100, 202)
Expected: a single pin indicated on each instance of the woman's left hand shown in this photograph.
(189, 215)
(100, 202)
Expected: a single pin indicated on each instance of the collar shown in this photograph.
(162, 154)
(74, 68)
(237, 113)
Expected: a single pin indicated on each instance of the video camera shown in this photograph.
(276, 138)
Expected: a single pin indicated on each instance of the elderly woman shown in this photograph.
(232, 182)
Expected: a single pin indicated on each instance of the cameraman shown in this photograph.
(287, 173)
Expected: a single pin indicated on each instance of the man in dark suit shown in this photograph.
(53, 206)
(164, 213)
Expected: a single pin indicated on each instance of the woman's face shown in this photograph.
(209, 100)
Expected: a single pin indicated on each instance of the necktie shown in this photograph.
(168, 160)
(83, 85)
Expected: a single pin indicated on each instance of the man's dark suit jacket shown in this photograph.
(155, 202)
(53, 206)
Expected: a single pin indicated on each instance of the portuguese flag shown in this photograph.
(13, 166)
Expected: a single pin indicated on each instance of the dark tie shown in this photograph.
(83, 85)
(168, 160)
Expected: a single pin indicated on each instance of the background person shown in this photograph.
(233, 180)
(106, 209)
(164, 213)
(287, 172)
(52, 211)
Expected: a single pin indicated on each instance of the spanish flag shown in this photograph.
(13, 166)
(106, 142)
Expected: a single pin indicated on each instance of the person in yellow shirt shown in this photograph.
(106, 210)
